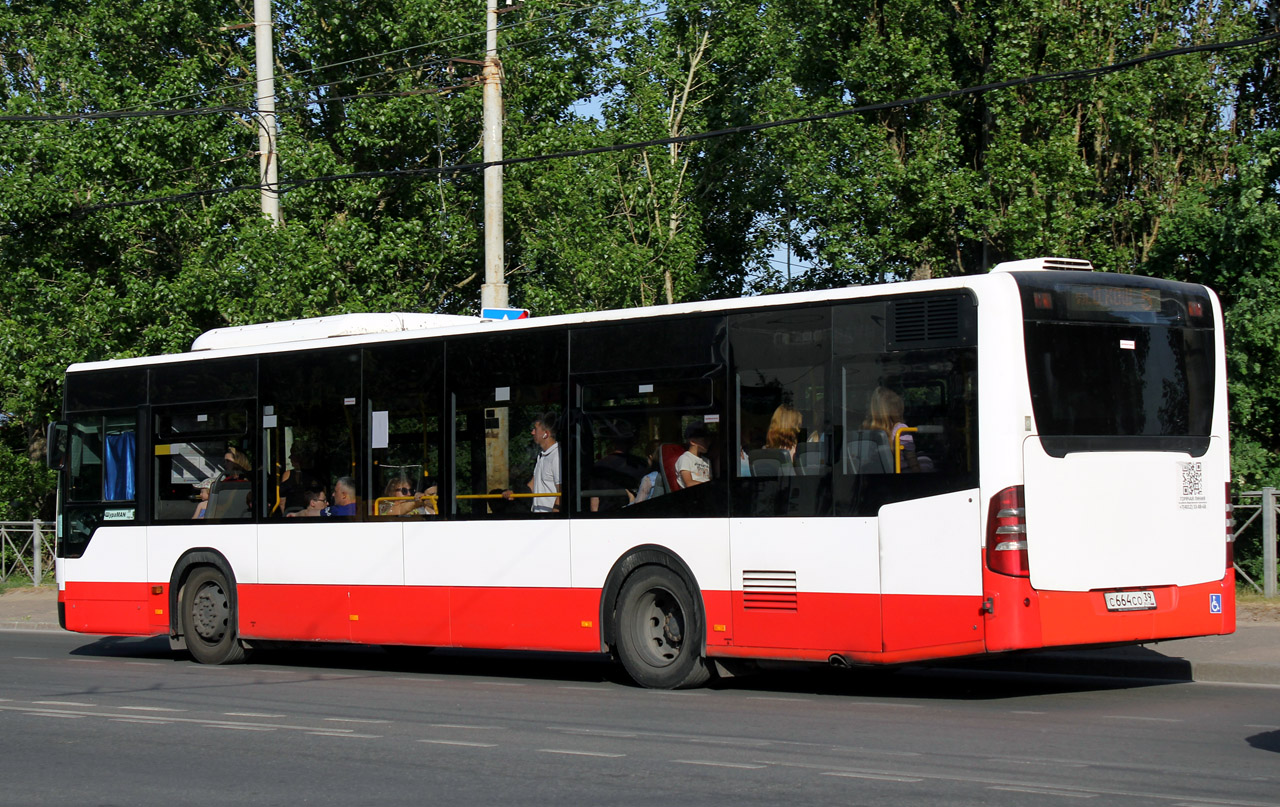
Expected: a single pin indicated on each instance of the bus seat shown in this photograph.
(810, 459)
(669, 453)
(229, 500)
(770, 462)
(868, 453)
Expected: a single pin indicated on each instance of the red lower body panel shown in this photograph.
(864, 628)
(120, 609)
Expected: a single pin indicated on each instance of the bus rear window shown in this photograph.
(1118, 363)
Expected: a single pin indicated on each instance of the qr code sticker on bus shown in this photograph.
(1192, 479)
(1192, 497)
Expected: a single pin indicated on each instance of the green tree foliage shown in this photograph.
(1169, 168)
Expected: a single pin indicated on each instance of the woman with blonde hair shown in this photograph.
(784, 429)
(885, 413)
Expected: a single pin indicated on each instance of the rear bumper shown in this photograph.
(1025, 618)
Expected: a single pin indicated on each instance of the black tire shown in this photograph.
(209, 618)
(659, 630)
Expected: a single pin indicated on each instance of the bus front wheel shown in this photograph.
(660, 631)
(208, 618)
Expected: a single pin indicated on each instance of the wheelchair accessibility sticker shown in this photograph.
(1215, 603)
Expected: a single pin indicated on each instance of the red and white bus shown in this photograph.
(1032, 458)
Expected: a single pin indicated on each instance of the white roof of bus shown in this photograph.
(419, 325)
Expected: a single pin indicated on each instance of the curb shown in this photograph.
(31, 626)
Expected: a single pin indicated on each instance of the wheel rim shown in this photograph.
(659, 627)
(210, 610)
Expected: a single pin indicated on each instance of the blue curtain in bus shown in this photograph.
(118, 484)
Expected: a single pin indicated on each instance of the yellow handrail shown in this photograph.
(897, 447)
(513, 495)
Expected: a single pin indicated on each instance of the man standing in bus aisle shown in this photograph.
(344, 498)
(546, 471)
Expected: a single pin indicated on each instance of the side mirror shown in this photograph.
(55, 447)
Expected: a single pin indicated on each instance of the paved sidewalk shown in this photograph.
(1251, 655)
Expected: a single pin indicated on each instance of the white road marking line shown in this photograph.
(65, 703)
(770, 698)
(1026, 712)
(1144, 719)
(995, 781)
(150, 709)
(88, 660)
(876, 776)
(249, 714)
(460, 742)
(144, 721)
(1042, 792)
(422, 680)
(462, 726)
(890, 705)
(579, 753)
(711, 764)
(597, 732)
(144, 663)
(189, 720)
(233, 727)
(32, 658)
(56, 714)
(346, 734)
(499, 684)
(1055, 763)
(353, 720)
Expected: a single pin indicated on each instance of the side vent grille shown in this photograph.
(930, 322)
(764, 590)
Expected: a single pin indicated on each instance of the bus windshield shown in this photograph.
(1117, 362)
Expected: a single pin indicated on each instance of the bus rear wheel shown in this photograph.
(660, 631)
(209, 619)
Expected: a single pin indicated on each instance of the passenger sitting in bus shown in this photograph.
(317, 501)
(885, 413)
(394, 503)
(778, 456)
(202, 507)
(297, 479)
(235, 464)
(693, 467)
(651, 484)
(344, 498)
(618, 472)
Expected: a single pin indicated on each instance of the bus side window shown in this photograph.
(500, 386)
(784, 439)
(404, 401)
(312, 426)
(203, 463)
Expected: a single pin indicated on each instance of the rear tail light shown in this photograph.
(1231, 530)
(1007, 533)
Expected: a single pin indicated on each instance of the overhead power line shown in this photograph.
(1042, 78)
(396, 52)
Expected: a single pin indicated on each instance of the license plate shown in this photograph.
(1130, 600)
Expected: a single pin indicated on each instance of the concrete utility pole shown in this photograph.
(493, 294)
(268, 171)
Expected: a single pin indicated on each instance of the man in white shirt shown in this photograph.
(693, 467)
(546, 471)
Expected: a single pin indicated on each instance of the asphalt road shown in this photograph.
(89, 721)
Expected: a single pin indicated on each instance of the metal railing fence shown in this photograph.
(1264, 511)
(26, 549)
